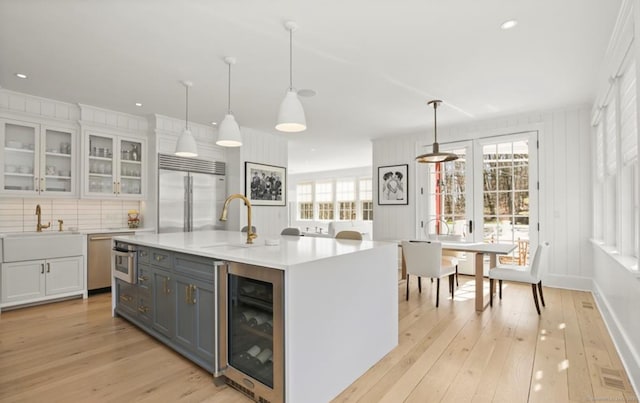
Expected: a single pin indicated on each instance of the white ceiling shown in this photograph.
(373, 63)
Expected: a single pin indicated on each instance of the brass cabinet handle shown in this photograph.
(143, 253)
(143, 309)
(160, 258)
(126, 298)
(189, 298)
(142, 279)
(48, 267)
(167, 290)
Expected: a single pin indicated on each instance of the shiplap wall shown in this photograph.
(565, 184)
(18, 215)
(263, 148)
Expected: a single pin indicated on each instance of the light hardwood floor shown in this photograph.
(74, 351)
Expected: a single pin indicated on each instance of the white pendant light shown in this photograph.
(291, 116)
(186, 145)
(435, 155)
(229, 132)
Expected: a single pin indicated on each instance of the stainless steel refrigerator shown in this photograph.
(191, 192)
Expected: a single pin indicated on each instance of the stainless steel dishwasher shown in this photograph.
(99, 261)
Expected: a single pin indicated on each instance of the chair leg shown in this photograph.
(419, 284)
(407, 287)
(437, 292)
(535, 297)
(490, 292)
(457, 285)
(540, 291)
(500, 288)
(453, 287)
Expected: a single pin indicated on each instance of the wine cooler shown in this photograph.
(251, 331)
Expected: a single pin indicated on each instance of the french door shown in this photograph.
(489, 194)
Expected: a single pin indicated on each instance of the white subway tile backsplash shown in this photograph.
(19, 215)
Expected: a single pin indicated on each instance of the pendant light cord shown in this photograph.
(229, 92)
(186, 118)
(435, 122)
(291, 59)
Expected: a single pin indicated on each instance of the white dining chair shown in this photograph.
(355, 235)
(523, 274)
(424, 259)
(291, 231)
(253, 229)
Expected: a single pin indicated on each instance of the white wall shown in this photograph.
(565, 184)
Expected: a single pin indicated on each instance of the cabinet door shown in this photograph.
(64, 275)
(58, 161)
(163, 302)
(130, 182)
(22, 281)
(100, 166)
(195, 319)
(126, 298)
(20, 164)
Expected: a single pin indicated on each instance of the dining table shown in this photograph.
(480, 249)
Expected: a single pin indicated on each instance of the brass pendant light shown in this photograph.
(435, 155)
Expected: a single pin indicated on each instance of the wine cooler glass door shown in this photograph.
(252, 330)
(251, 327)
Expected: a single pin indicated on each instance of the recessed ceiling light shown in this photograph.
(214, 123)
(509, 24)
(21, 75)
(138, 104)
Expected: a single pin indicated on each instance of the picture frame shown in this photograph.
(265, 185)
(393, 185)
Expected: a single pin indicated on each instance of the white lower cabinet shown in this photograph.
(36, 280)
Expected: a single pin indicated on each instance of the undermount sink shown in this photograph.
(20, 246)
(228, 247)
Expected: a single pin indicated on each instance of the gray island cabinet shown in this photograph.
(173, 300)
(331, 316)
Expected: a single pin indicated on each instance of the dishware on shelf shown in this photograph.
(10, 168)
(14, 144)
(25, 169)
(51, 170)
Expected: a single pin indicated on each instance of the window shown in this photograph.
(346, 198)
(324, 199)
(304, 193)
(366, 198)
(628, 234)
(610, 167)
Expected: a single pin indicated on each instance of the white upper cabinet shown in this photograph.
(114, 166)
(37, 159)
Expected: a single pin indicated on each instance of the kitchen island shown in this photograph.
(339, 299)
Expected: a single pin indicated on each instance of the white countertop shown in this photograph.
(231, 245)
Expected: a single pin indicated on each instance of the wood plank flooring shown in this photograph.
(74, 351)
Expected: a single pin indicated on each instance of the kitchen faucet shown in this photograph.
(40, 226)
(223, 217)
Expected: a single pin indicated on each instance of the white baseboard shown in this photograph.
(630, 358)
(568, 282)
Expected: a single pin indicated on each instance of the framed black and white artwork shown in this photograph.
(393, 185)
(265, 185)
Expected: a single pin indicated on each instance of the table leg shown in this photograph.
(404, 265)
(492, 263)
(479, 282)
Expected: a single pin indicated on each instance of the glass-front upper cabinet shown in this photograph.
(37, 159)
(115, 166)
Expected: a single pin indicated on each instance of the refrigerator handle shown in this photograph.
(187, 207)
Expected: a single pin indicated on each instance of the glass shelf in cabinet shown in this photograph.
(19, 150)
